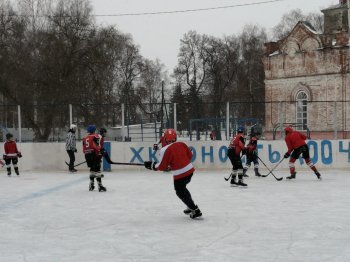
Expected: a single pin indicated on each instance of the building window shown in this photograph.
(301, 112)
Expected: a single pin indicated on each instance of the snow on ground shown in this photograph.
(53, 217)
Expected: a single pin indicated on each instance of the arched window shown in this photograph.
(301, 112)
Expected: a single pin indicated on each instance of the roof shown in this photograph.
(337, 6)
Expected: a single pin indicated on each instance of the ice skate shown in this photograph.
(245, 173)
(195, 213)
(256, 170)
(91, 187)
(318, 175)
(16, 171)
(233, 181)
(101, 188)
(8, 171)
(241, 183)
(292, 176)
(73, 170)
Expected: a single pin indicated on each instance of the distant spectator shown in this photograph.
(212, 135)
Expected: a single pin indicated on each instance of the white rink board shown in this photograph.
(208, 154)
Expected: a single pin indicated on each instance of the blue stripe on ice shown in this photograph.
(45, 192)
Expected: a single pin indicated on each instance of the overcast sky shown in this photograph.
(158, 36)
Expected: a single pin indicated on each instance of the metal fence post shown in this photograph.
(70, 115)
(19, 124)
(123, 124)
(335, 121)
(175, 120)
(228, 121)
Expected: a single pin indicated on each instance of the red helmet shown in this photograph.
(288, 129)
(170, 135)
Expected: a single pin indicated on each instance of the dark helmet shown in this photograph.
(102, 131)
(91, 129)
(240, 129)
(9, 135)
(253, 140)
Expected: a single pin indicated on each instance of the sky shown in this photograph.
(158, 36)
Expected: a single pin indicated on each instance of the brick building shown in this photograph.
(307, 78)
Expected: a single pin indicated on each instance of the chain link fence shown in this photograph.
(206, 121)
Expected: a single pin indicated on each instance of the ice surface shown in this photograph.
(53, 217)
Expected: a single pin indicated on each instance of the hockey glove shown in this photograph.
(148, 164)
(155, 147)
(244, 151)
(286, 155)
(19, 154)
(75, 150)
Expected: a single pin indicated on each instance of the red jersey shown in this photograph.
(237, 143)
(91, 143)
(10, 148)
(294, 140)
(251, 147)
(178, 157)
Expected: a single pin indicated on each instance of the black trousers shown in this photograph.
(9, 160)
(93, 162)
(183, 193)
(303, 150)
(71, 159)
(235, 159)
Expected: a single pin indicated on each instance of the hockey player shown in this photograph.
(177, 156)
(93, 156)
(252, 156)
(71, 147)
(102, 131)
(296, 146)
(11, 154)
(234, 153)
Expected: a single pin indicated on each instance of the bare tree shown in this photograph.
(192, 69)
(290, 19)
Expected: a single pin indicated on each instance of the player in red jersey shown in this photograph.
(296, 146)
(11, 154)
(93, 156)
(234, 154)
(177, 156)
(252, 156)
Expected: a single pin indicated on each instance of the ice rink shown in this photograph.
(52, 216)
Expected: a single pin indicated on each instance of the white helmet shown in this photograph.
(72, 126)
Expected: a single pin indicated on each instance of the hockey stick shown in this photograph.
(228, 178)
(270, 171)
(76, 164)
(278, 179)
(127, 164)
(109, 161)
